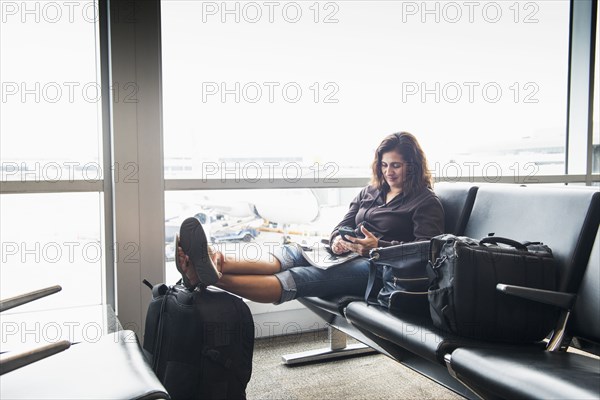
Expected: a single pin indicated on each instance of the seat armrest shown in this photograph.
(559, 299)
(11, 362)
(21, 299)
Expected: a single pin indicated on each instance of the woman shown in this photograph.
(397, 206)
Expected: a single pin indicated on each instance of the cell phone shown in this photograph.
(357, 233)
(346, 231)
(370, 228)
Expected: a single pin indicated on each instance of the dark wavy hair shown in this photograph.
(418, 175)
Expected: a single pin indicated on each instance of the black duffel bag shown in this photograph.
(398, 278)
(463, 297)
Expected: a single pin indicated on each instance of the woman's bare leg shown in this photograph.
(260, 288)
(234, 264)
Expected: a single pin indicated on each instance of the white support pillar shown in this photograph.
(138, 178)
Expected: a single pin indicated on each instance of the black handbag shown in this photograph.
(398, 278)
(463, 296)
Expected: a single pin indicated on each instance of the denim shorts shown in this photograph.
(300, 279)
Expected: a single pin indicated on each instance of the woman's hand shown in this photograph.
(339, 245)
(362, 246)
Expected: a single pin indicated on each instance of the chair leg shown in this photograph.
(338, 348)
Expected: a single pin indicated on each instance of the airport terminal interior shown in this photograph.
(120, 120)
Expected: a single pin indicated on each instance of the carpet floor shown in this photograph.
(364, 377)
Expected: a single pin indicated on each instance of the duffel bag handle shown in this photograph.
(506, 241)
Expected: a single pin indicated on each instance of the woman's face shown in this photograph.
(393, 169)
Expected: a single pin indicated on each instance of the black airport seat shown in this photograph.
(563, 218)
(114, 367)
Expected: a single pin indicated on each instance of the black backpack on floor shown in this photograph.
(201, 342)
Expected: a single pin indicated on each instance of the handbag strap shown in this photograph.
(159, 331)
(371, 298)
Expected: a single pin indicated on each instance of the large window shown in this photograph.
(50, 138)
(308, 89)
